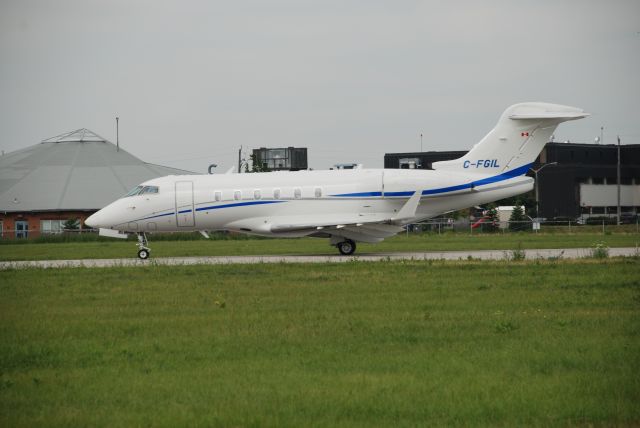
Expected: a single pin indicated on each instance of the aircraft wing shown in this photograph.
(361, 227)
(293, 224)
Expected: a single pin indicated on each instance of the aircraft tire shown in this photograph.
(347, 247)
(143, 254)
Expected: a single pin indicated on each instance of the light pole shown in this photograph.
(618, 181)
(535, 173)
(421, 142)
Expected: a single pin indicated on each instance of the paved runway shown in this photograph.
(569, 253)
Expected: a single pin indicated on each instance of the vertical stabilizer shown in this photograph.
(516, 141)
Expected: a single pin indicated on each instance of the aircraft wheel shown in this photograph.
(143, 254)
(347, 247)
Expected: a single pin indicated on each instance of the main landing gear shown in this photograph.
(346, 247)
(143, 250)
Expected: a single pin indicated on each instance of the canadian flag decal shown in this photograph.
(524, 134)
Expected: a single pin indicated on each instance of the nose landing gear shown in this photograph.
(143, 250)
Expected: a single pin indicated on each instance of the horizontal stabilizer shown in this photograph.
(550, 115)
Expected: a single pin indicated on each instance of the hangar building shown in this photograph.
(583, 183)
(281, 159)
(69, 176)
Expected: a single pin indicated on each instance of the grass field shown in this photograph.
(354, 344)
(413, 242)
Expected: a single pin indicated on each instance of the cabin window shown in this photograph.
(217, 196)
(297, 193)
(256, 194)
(237, 195)
(276, 193)
(318, 192)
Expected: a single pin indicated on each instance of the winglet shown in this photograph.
(408, 210)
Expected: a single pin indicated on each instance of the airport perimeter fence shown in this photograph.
(432, 226)
(91, 235)
(600, 225)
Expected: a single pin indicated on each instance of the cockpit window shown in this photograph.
(142, 190)
(136, 190)
(149, 189)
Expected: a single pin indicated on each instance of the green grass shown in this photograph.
(353, 344)
(414, 242)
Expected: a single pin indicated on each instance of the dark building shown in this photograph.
(584, 180)
(582, 183)
(418, 160)
(281, 159)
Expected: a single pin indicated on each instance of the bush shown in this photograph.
(600, 250)
(517, 255)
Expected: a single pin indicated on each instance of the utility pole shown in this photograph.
(602, 135)
(117, 135)
(618, 222)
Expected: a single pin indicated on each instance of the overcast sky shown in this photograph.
(192, 81)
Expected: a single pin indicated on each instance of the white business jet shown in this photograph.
(345, 206)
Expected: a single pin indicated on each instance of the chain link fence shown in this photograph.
(592, 225)
(436, 225)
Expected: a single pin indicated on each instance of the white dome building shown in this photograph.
(69, 176)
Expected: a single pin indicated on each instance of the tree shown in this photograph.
(256, 165)
(517, 217)
(71, 224)
(527, 200)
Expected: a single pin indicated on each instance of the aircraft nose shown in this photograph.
(93, 220)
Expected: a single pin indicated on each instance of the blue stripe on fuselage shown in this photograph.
(398, 193)
(213, 207)
(360, 194)
(156, 216)
(238, 204)
(488, 180)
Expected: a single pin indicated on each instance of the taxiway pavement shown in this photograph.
(568, 253)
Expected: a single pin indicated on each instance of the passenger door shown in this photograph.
(185, 213)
